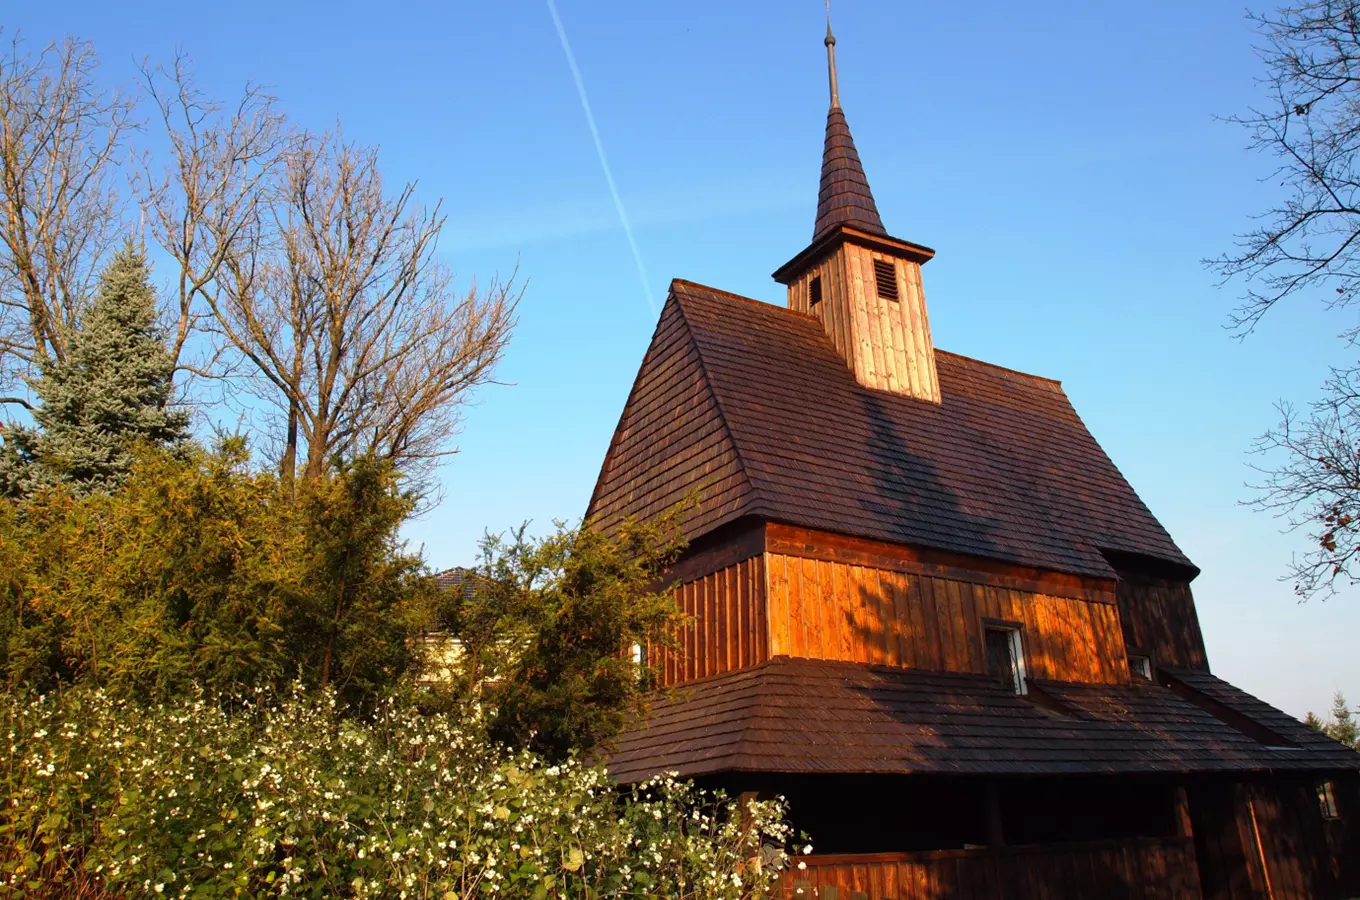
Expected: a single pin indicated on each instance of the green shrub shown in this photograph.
(109, 798)
(203, 571)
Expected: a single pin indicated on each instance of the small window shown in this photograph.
(1141, 667)
(885, 278)
(815, 290)
(1006, 658)
(1327, 800)
(639, 654)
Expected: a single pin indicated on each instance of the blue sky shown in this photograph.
(1063, 159)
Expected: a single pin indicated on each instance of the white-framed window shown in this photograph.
(1327, 800)
(1140, 666)
(1005, 656)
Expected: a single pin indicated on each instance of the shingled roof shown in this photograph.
(799, 715)
(844, 197)
(751, 405)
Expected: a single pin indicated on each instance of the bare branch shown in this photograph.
(361, 342)
(61, 139)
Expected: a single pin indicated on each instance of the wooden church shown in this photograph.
(926, 607)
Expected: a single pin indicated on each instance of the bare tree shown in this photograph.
(61, 139)
(1313, 483)
(208, 206)
(1308, 245)
(358, 336)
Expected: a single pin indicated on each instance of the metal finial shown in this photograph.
(831, 59)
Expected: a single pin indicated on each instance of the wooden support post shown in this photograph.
(1184, 828)
(996, 835)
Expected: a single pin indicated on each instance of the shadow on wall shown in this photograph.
(929, 623)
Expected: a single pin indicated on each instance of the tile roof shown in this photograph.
(798, 715)
(1003, 468)
(844, 197)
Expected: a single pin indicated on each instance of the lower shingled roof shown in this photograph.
(798, 715)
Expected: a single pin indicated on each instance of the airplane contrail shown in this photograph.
(604, 161)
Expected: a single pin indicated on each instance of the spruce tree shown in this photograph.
(112, 392)
(1344, 727)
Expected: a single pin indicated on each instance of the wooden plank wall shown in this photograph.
(1159, 618)
(831, 610)
(725, 625)
(886, 343)
(1287, 816)
(1147, 869)
(1343, 834)
(1264, 839)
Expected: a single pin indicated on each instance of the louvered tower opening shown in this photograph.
(885, 279)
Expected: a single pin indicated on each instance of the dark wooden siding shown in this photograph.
(841, 611)
(1148, 869)
(1343, 834)
(671, 441)
(1159, 619)
(725, 627)
(1287, 816)
(1265, 838)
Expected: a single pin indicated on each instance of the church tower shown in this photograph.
(861, 283)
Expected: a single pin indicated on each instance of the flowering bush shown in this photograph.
(289, 798)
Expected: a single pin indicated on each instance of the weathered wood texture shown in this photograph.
(1286, 815)
(671, 442)
(1265, 838)
(1148, 869)
(1343, 834)
(886, 343)
(827, 610)
(809, 543)
(725, 626)
(1159, 619)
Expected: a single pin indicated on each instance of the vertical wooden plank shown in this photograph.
(920, 330)
(797, 607)
(829, 614)
(932, 614)
(1081, 628)
(1040, 639)
(1100, 640)
(841, 591)
(736, 636)
(880, 614)
(895, 608)
(958, 648)
(871, 614)
(760, 601)
(809, 595)
(969, 620)
(692, 632)
(778, 614)
(917, 656)
(718, 592)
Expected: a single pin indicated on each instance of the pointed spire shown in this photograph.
(831, 59)
(844, 198)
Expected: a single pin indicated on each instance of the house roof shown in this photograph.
(750, 405)
(806, 716)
